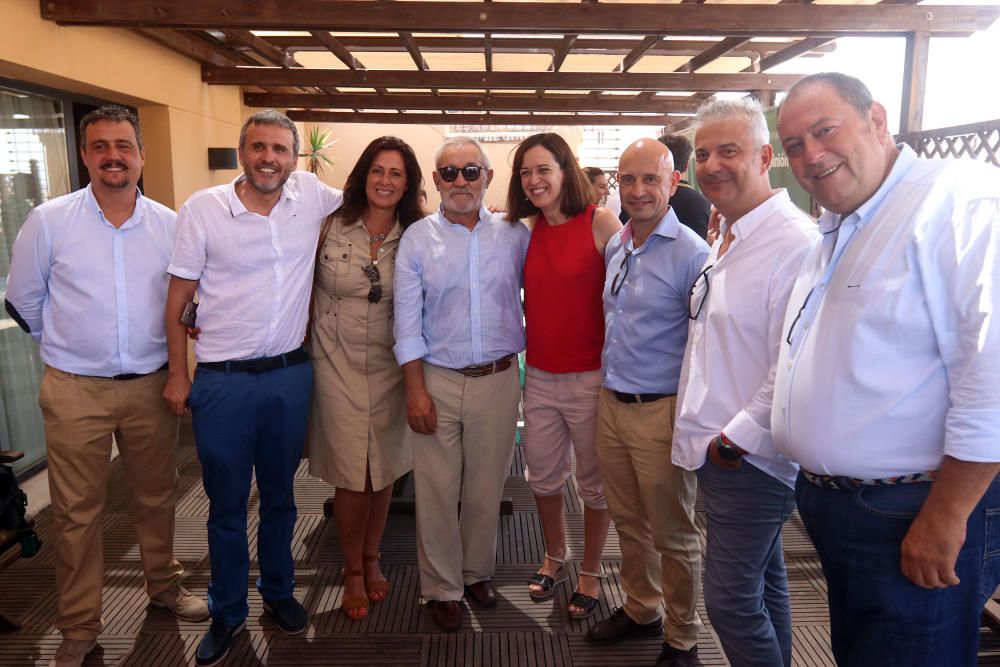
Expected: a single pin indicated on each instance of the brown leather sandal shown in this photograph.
(376, 590)
(348, 605)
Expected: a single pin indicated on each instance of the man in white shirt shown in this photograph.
(249, 249)
(88, 281)
(737, 306)
(888, 385)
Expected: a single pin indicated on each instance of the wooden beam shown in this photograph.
(191, 47)
(264, 49)
(527, 17)
(794, 51)
(637, 54)
(911, 113)
(274, 76)
(358, 43)
(488, 52)
(718, 50)
(454, 102)
(334, 46)
(478, 119)
(411, 46)
(565, 46)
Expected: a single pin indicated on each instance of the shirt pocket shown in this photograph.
(332, 265)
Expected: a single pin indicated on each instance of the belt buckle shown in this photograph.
(256, 366)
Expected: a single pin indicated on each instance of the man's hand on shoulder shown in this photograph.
(175, 393)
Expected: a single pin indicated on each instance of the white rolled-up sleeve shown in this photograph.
(190, 250)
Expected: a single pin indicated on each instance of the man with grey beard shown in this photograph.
(458, 330)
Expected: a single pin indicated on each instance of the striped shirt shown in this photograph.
(458, 292)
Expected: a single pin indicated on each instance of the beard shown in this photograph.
(116, 180)
(264, 188)
(461, 209)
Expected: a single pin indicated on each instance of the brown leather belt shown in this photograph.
(501, 364)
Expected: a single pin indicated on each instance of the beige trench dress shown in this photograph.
(359, 404)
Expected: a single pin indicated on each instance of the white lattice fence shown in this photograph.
(979, 141)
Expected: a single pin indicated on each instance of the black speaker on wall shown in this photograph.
(222, 158)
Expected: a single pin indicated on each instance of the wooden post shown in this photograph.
(911, 113)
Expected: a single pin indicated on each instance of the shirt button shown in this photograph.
(344, 256)
(789, 365)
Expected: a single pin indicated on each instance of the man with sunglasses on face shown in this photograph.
(723, 429)
(458, 329)
(249, 249)
(651, 264)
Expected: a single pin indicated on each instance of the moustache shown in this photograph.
(114, 164)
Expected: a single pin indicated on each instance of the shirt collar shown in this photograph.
(866, 212)
(134, 220)
(669, 227)
(752, 220)
(290, 190)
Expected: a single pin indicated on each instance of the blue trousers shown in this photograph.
(878, 616)
(746, 588)
(245, 422)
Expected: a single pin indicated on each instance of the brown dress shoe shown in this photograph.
(482, 593)
(447, 614)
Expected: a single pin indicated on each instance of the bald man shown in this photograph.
(651, 264)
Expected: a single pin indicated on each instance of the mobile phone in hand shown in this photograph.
(190, 314)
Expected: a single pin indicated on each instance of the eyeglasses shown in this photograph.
(616, 286)
(470, 172)
(375, 293)
(699, 293)
(788, 338)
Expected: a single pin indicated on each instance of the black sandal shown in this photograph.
(584, 601)
(548, 583)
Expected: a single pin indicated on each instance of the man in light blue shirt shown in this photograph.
(651, 264)
(887, 390)
(88, 281)
(458, 330)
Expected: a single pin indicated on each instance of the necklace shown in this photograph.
(378, 237)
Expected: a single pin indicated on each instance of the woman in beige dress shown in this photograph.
(359, 407)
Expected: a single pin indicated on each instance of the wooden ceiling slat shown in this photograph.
(502, 80)
(636, 54)
(477, 119)
(335, 47)
(560, 55)
(411, 46)
(452, 102)
(459, 44)
(708, 55)
(263, 48)
(488, 52)
(191, 47)
(530, 17)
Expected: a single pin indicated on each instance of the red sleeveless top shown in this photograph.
(563, 288)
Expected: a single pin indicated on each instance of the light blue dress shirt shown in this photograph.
(93, 295)
(646, 324)
(458, 292)
(894, 359)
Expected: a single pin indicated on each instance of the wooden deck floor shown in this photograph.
(397, 632)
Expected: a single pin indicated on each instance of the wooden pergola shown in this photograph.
(553, 62)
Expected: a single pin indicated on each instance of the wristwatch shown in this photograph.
(727, 450)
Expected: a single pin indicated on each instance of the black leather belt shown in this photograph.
(136, 376)
(259, 365)
(501, 364)
(638, 398)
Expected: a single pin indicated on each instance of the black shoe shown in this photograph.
(289, 614)
(675, 657)
(482, 593)
(216, 643)
(619, 627)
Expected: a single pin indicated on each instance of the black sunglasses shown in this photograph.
(470, 172)
(375, 293)
(702, 297)
(616, 286)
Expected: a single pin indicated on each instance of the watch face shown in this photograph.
(728, 453)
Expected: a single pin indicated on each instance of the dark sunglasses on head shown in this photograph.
(470, 172)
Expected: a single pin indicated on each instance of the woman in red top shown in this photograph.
(563, 286)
